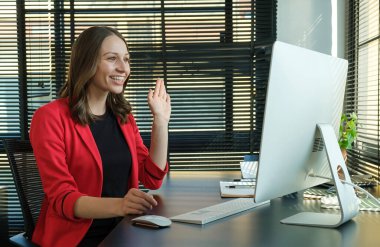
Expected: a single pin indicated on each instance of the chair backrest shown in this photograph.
(27, 181)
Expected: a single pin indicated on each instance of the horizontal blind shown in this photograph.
(209, 83)
(212, 54)
(204, 50)
(263, 35)
(10, 214)
(363, 91)
(212, 84)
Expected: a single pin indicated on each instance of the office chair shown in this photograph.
(28, 186)
(251, 157)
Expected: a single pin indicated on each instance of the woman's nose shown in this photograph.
(123, 65)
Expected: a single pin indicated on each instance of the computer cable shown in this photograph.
(353, 185)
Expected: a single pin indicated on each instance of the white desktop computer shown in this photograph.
(299, 147)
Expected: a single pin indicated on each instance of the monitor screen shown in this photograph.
(305, 88)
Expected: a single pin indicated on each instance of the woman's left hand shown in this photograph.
(159, 102)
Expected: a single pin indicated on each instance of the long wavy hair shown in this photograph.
(83, 65)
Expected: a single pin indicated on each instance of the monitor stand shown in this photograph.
(348, 203)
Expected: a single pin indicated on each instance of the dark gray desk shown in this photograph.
(185, 191)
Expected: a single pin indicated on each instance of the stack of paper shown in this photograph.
(237, 189)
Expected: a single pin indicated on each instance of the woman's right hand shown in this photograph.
(137, 202)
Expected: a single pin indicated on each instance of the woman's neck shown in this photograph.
(97, 103)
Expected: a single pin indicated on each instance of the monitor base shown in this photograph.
(348, 202)
(313, 219)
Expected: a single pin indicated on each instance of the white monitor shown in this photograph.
(299, 140)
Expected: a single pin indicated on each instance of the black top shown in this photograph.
(116, 161)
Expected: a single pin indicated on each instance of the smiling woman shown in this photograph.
(97, 54)
(113, 69)
(88, 148)
(206, 65)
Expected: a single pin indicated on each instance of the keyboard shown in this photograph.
(208, 214)
(248, 169)
(359, 180)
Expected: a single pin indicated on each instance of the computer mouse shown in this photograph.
(154, 221)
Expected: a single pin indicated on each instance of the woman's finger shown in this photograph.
(150, 95)
(162, 92)
(140, 197)
(146, 197)
(137, 206)
(157, 88)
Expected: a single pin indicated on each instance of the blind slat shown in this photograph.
(363, 83)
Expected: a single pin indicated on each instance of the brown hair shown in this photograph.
(83, 65)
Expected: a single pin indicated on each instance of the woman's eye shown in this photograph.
(112, 58)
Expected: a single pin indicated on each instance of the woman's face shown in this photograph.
(113, 67)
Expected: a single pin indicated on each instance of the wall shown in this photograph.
(314, 24)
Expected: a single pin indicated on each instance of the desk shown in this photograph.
(185, 191)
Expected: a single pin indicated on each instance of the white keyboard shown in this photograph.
(218, 211)
(248, 169)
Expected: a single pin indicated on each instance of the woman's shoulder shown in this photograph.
(52, 117)
(55, 107)
(130, 117)
(57, 104)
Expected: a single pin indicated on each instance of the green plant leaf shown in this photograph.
(347, 130)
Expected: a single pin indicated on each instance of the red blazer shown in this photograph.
(70, 166)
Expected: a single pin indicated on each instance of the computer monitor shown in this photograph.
(299, 146)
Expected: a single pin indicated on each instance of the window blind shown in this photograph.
(10, 110)
(212, 54)
(363, 91)
(206, 51)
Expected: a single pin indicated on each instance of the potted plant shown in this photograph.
(347, 132)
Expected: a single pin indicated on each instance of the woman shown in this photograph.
(89, 150)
